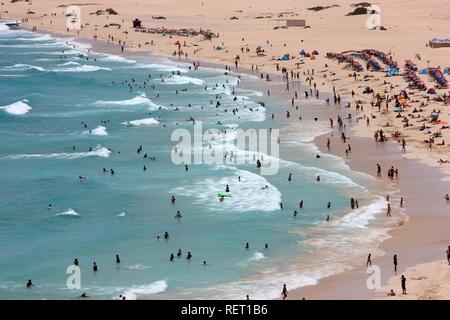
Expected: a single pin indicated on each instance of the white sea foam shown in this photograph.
(175, 79)
(99, 131)
(101, 152)
(257, 256)
(153, 288)
(113, 58)
(17, 108)
(35, 37)
(12, 75)
(24, 67)
(137, 267)
(70, 63)
(246, 195)
(81, 68)
(3, 26)
(141, 122)
(161, 67)
(122, 214)
(136, 101)
(69, 212)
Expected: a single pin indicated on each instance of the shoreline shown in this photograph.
(415, 173)
(422, 239)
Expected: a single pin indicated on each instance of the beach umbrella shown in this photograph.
(424, 71)
(177, 43)
(431, 91)
(315, 52)
(447, 70)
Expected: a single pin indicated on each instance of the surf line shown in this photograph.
(194, 310)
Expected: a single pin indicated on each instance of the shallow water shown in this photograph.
(48, 89)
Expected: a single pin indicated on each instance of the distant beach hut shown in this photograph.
(137, 24)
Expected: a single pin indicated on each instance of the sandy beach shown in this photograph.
(238, 28)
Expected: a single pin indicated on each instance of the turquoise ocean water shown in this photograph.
(51, 88)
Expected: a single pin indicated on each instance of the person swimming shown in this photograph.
(189, 256)
(179, 253)
(171, 257)
(75, 262)
(247, 246)
(29, 284)
(178, 215)
(166, 235)
(117, 259)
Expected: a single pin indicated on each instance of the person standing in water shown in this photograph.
(94, 267)
(117, 259)
(29, 284)
(388, 212)
(284, 292)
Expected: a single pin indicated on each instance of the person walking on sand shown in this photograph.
(403, 145)
(284, 293)
(388, 212)
(369, 260)
(403, 280)
(395, 263)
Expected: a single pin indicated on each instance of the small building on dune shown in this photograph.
(295, 23)
(137, 24)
